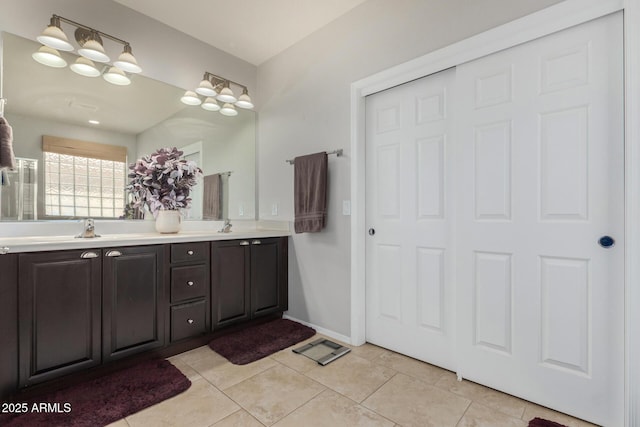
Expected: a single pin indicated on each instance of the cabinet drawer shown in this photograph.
(188, 320)
(187, 252)
(188, 282)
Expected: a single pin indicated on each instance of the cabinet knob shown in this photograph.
(189, 283)
(190, 321)
(256, 242)
(244, 243)
(189, 252)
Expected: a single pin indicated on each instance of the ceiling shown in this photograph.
(253, 30)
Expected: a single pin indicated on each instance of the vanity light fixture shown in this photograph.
(244, 101)
(214, 87)
(190, 98)
(210, 104)
(49, 56)
(85, 67)
(229, 110)
(91, 49)
(116, 76)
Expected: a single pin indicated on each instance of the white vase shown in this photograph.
(168, 221)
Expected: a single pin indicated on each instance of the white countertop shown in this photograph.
(48, 242)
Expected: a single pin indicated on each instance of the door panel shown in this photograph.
(409, 277)
(539, 302)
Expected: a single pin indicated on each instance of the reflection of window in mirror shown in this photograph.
(193, 152)
(83, 179)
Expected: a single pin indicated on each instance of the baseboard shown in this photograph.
(321, 330)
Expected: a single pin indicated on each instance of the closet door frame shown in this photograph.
(552, 19)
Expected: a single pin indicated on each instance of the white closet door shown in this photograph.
(410, 305)
(541, 167)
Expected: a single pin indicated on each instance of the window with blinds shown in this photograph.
(83, 179)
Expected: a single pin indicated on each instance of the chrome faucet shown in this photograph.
(226, 228)
(89, 230)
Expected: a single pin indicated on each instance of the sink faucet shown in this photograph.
(226, 228)
(89, 230)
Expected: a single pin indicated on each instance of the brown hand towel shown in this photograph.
(310, 192)
(7, 158)
(212, 203)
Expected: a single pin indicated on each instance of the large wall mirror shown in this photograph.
(141, 117)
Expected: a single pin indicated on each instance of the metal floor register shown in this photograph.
(322, 351)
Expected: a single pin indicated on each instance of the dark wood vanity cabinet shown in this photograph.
(189, 290)
(269, 280)
(8, 323)
(248, 279)
(133, 300)
(60, 313)
(65, 311)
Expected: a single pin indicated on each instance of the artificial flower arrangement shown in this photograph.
(162, 180)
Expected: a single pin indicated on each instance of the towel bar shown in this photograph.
(337, 152)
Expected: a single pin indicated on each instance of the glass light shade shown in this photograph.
(54, 37)
(117, 77)
(210, 104)
(93, 50)
(190, 98)
(127, 62)
(228, 110)
(85, 67)
(50, 57)
(206, 88)
(244, 101)
(226, 95)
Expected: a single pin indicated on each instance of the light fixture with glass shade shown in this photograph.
(215, 88)
(244, 101)
(228, 110)
(116, 76)
(190, 98)
(226, 94)
(206, 87)
(210, 104)
(85, 67)
(127, 62)
(91, 49)
(54, 37)
(49, 56)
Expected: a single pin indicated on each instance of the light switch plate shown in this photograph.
(346, 207)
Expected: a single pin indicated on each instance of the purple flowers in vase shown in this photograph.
(162, 180)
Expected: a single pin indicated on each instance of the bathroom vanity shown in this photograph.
(68, 305)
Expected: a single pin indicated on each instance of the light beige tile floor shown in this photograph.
(370, 386)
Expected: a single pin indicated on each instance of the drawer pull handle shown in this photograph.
(190, 321)
(244, 243)
(113, 253)
(189, 252)
(189, 283)
(89, 254)
(256, 242)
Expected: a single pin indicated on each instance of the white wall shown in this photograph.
(305, 108)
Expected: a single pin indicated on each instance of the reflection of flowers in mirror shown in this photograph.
(162, 180)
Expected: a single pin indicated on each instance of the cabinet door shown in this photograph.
(8, 324)
(59, 303)
(230, 282)
(268, 276)
(133, 317)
